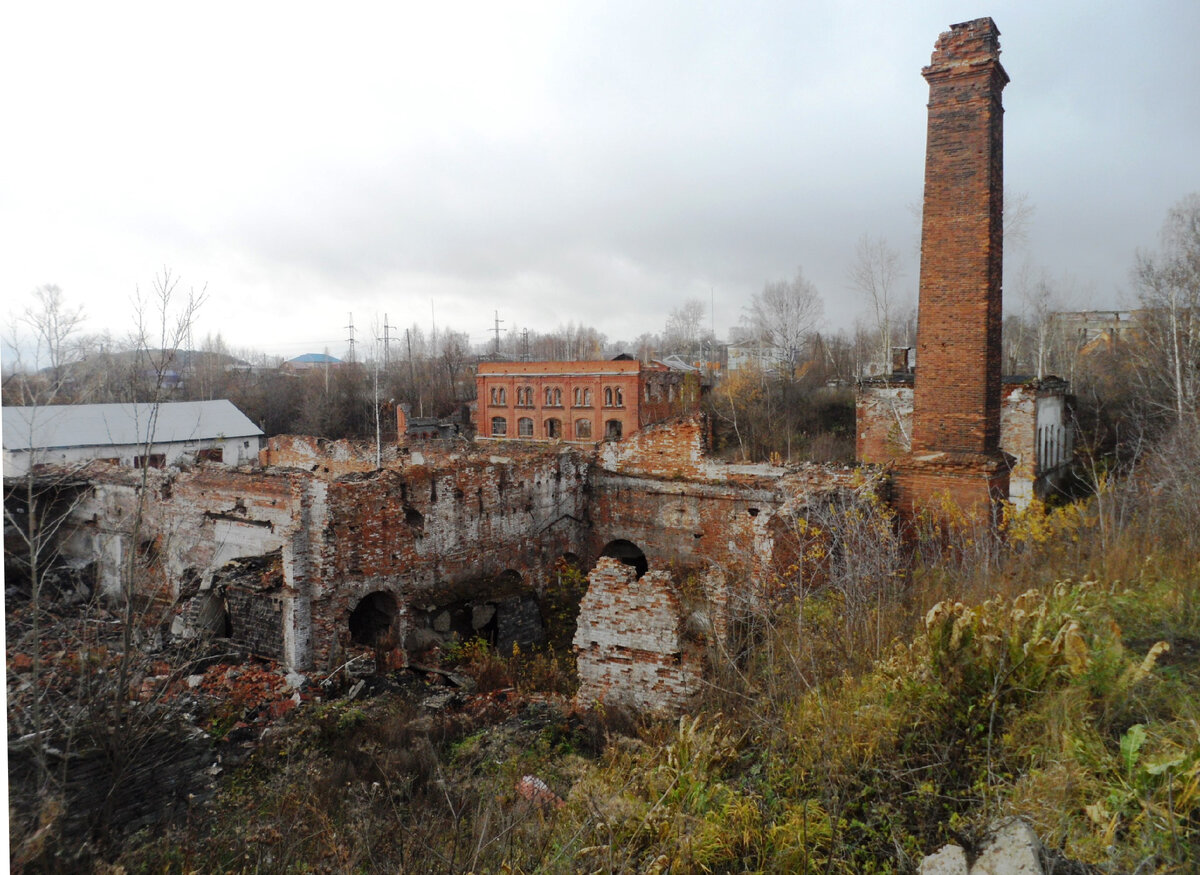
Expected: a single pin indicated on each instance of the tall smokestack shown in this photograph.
(956, 415)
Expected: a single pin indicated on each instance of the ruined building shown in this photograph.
(956, 417)
(319, 554)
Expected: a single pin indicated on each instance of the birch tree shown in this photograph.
(1169, 291)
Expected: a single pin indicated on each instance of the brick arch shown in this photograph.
(371, 620)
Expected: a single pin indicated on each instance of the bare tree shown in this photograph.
(38, 503)
(784, 314)
(682, 332)
(874, 274)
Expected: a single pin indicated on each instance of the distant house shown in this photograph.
(69, 434)
(761, 356)
(311, 360)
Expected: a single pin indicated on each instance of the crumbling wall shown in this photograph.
(883, 417)
(1018, 437)
(677, 448)
(456, 531)
(323, 456)
(698, 525)
(630, 642)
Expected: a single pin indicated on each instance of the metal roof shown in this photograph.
(318, 358)
(89, 425)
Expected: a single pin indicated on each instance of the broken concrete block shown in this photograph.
(441, 622)
(950, 860)
(481, 615)
(1012, 848)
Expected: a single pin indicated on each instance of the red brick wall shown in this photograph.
(602, 380)
(618, 393)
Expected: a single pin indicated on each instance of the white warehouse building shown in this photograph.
(133, 435)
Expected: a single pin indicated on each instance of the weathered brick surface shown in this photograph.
(956, 421)
(676, 448)
(629, 641)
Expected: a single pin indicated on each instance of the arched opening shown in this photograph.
(554, 429)
(525, 427)
(560, 598)
(498, 609)
(371, 620)
(628, 553)
(612, 430)
(583, 429)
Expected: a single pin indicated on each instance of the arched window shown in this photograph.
(499, 426)
(549, 397)
(558, 397)
(608, 396)
(578, 397)
(525, 427)
(493, 394)
(503, 396)
(554, 429)
(587, 397)
(583, 429)
(620, 397)
(612, 430)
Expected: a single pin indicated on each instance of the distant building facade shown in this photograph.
(133, 435)
(581, 401)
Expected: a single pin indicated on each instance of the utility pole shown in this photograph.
(350, 341)
(498, 329)
(524, 344)
(378, 435)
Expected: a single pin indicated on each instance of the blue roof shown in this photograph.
(316, 358)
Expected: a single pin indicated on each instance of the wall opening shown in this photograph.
(495, 609)
(371, 620)
(627, 553)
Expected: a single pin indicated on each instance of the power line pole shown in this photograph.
(350, 341)
(525, 344)
(498, 329)
(386, 345)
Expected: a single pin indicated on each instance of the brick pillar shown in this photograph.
(956, 418)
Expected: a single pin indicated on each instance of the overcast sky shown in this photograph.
(597, 163)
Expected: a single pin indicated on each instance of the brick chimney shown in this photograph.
(956, 417)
